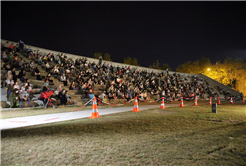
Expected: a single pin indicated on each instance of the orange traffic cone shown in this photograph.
(219, 100)
(231, 101)
(135, 109)
(195, 103)
(182, 103)
(243, 101)
(94, 109)
(210, 101)
(162, 104)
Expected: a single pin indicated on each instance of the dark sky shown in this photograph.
(172, 32)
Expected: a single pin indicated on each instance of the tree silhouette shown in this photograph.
(97, 55)
(131, 61)
(106, 57)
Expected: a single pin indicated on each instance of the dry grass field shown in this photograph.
(190, 135)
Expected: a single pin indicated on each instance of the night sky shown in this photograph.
(172, 32)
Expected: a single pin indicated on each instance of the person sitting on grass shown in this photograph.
(14, 98)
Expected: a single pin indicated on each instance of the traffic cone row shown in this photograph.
(195, 103)
(95, 113)
(94, 109)
(182, 103)
(231, 101)
(219, 100)
(135, 109)
(162, 104)
(210, 101)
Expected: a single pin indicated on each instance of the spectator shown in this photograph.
(110, 95)
(63, 97)
(58, 90)
(37, 73)
(2, 64)
(9, 77)
(9, 88)
(8, 66)
(6, 46)
(46, 86)
(5, 57)
(14, 75)
(72, 86)
(69, 101)
(12, 47)
(56, 70)
(102, 95)
(91, 94)
(100, 60)
(87, 89)
(64, 80)
(47, 67)
(22, 76)
(16, 85)
(24, 95)
(48, 77)
(40, 61)
(128, 96)
(21, 46)
(14, 98)
(32, 66)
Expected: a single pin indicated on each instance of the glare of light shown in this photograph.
(208, 69)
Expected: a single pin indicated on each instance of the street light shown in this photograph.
(208, 69)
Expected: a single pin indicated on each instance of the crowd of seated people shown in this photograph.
(121, 82)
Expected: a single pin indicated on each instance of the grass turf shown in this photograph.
(190, 135)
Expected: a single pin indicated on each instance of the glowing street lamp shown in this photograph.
(208, 69)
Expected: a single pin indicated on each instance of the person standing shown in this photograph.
(100, 60)
(21, 46)
(9, 88)
(14, 75)
(14, 98)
